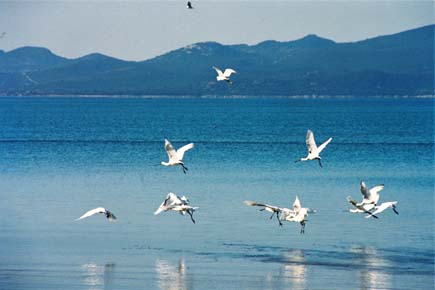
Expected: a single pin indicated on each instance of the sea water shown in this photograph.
(60, 157)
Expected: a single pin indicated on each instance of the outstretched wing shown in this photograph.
(170, 201)
(172, 154)
(180, 152)
(311, 143)
(359, 207)
(296, 204)
(228, 72)
(376, 189)
(266, 206)
(92, 212)
(321, 147)
(364, 190)
(219, 72)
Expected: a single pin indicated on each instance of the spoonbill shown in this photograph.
(313, 150)
(109, 215)
(383, 206)
(176, 156)
(370, 196)
(176, 203)
(270, 208)
(224, 76)
(298, 214)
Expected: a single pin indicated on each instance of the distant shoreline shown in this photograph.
(313, 97)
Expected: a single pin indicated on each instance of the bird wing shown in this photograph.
(253, 203)
(92, 212)
(170, 201)
(311, 143)
(296, 204)
(172, 154)
(364, 190)
(374, 192)
(219, 72)
(361, 208)
(110, 216)
(228, 72)
(180, 152)
(321, 147)
(378, 209)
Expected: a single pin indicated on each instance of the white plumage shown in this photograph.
(176, 156)
(176, 203)
(224, 76)
(297, 214)
(109, 215)
(313, 150)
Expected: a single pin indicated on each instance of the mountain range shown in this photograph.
(398, 64)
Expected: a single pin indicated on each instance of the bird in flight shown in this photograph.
(313, 150)
(297, 214)
(369, 204)
(176, 156)
(3, 34)
(189, 5)
(109, 215)
(224, 76)
(176, 203)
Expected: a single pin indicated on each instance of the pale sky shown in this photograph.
(138, 30)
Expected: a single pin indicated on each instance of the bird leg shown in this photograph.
(272, 215)
(395, 211)
(191, 216)
(320, 162)
(302, 227)
(184, 168)
(279, 221)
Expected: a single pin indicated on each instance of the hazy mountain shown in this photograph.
(398, 64)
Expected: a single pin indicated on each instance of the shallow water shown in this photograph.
(63, 156)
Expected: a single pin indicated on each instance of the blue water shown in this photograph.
(60, 157)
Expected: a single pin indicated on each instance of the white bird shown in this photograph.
(224, 76)
(313, 150)
(370, 196)
(383, 206)
(176, 156)
(298, 214)
(176, 203)
(189, 5)
(270, 208)
(360, 208)
(109, 215)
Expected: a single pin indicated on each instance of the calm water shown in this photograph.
(61, 157)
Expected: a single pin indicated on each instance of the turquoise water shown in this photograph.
(63, 156)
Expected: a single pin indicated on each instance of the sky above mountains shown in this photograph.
(138, 30)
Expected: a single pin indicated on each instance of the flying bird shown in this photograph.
(109, 215)
(313, 150)
(3, 34)
(383, 206)
(298, 214)
(224, 76)
(176, 203)
(189, 5)
(176, 156)
(370, 196)
(270, 208)
(360, 208)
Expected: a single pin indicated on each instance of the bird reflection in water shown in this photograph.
(97, 277)
(294, 270)
(373, 274)
(172, 277)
